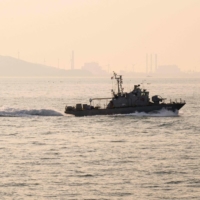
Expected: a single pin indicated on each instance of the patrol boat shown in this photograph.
(125, 102)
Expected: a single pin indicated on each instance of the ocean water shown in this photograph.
(46, 154)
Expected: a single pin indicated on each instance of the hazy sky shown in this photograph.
(115, 32)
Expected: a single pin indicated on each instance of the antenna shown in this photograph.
(119, 83)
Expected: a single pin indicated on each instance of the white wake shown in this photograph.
(16, 112)
(160, 113)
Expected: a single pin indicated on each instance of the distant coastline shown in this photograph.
(13, 67)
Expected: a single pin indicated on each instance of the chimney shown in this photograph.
(147, 63)
(156, 67)
(72, 61)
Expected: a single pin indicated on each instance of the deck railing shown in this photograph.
(177, 101)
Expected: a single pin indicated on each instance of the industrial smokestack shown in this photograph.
(156, 67)
(147, 63)
(151, 64)
(72, 61)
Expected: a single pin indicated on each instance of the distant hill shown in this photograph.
(11, 67)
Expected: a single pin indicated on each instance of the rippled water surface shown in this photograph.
(46, 154)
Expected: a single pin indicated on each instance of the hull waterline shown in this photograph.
(127, 110)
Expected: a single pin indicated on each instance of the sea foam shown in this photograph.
(160, 113)
(16, 112)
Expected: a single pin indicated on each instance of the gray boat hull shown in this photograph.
(127, 110)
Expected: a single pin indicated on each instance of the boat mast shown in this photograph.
(119, 83)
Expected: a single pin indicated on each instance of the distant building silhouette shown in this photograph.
(94, 68)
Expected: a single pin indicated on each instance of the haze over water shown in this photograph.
(113, 33)
(46, 154)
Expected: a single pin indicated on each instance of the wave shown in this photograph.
(160, 113)
(15, 112)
